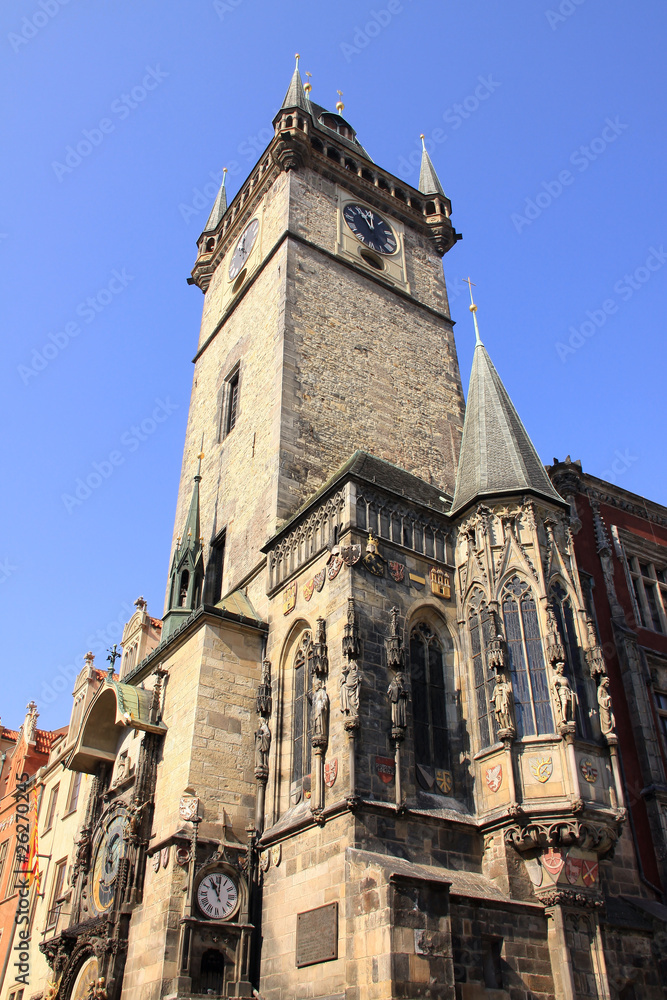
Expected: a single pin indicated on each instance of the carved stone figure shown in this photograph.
(502, 702)
(319, 700)
(607, 719)
(398, 695)
(350, 685)
(565, 696)
(262, 744)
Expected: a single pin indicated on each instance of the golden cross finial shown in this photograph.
(422, 137)
(473, 309)
(308, 87)
(339, 105)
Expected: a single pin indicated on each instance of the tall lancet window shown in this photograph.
(301, 715)
(527, 668)
(562, 607)
(481, 631)
(429, 659)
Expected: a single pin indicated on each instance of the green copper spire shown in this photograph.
(428, 179)
(187, 567)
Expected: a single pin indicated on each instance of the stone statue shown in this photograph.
(319, 700)
(502, 702)
(607, 719)
(350, 685)
(565, 696)
(262, 744)
(398, 695)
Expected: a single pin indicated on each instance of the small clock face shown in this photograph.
(243, 248)
(110, 851)
(370, 229)
(217, 896)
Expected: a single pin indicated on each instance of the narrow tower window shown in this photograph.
(301, 720)
(183, 590)
(527, 668)
(232, 402)
(481, 629)
(214, 570)
(429, 707)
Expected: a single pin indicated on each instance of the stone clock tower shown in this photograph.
(373, 754)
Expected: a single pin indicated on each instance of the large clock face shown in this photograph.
(86, 978)
(110, 851)
(243, 248)
(217, 896)
(370, 229)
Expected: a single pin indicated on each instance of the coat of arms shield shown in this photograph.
(350, 554)
(588, 770)
(318, 579)
(289, 598)
(444, 780)
(573, 868)
(494, 777)
(334, 566)
(589, 872)
(331, 772)
(308, 589)
(553, 861)
(373, 561)
(396, 571)
(541, 767)
(385, 768)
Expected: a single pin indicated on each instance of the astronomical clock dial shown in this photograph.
(243, 248)
(110, 851)
(87, 977)
(217, 896)
(370, 229)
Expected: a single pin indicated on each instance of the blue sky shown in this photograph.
(545, 122)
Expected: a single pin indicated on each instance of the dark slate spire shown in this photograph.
(219, 206)
(428, 179)
(187, 567)
(296, 96)
(497, 456)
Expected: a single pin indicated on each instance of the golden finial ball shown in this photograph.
(473, 308)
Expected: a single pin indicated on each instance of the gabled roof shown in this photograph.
(497, 456)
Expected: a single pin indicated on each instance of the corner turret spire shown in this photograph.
(296, 96)
(497, 456)
(219, 206)
(187, 567)
(428, 179)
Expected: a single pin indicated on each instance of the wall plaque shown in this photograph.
(317, 935)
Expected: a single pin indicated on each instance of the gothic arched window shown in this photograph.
(429, 656)
(481, 631)
(183, 592)
(301, 716)
(562, 608)
(530, 685)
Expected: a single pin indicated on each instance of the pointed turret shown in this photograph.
(497, 456)
(296, 95)
(219, 206)
(428, 179)
(187, 567)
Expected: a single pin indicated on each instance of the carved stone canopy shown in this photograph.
(564, 832)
